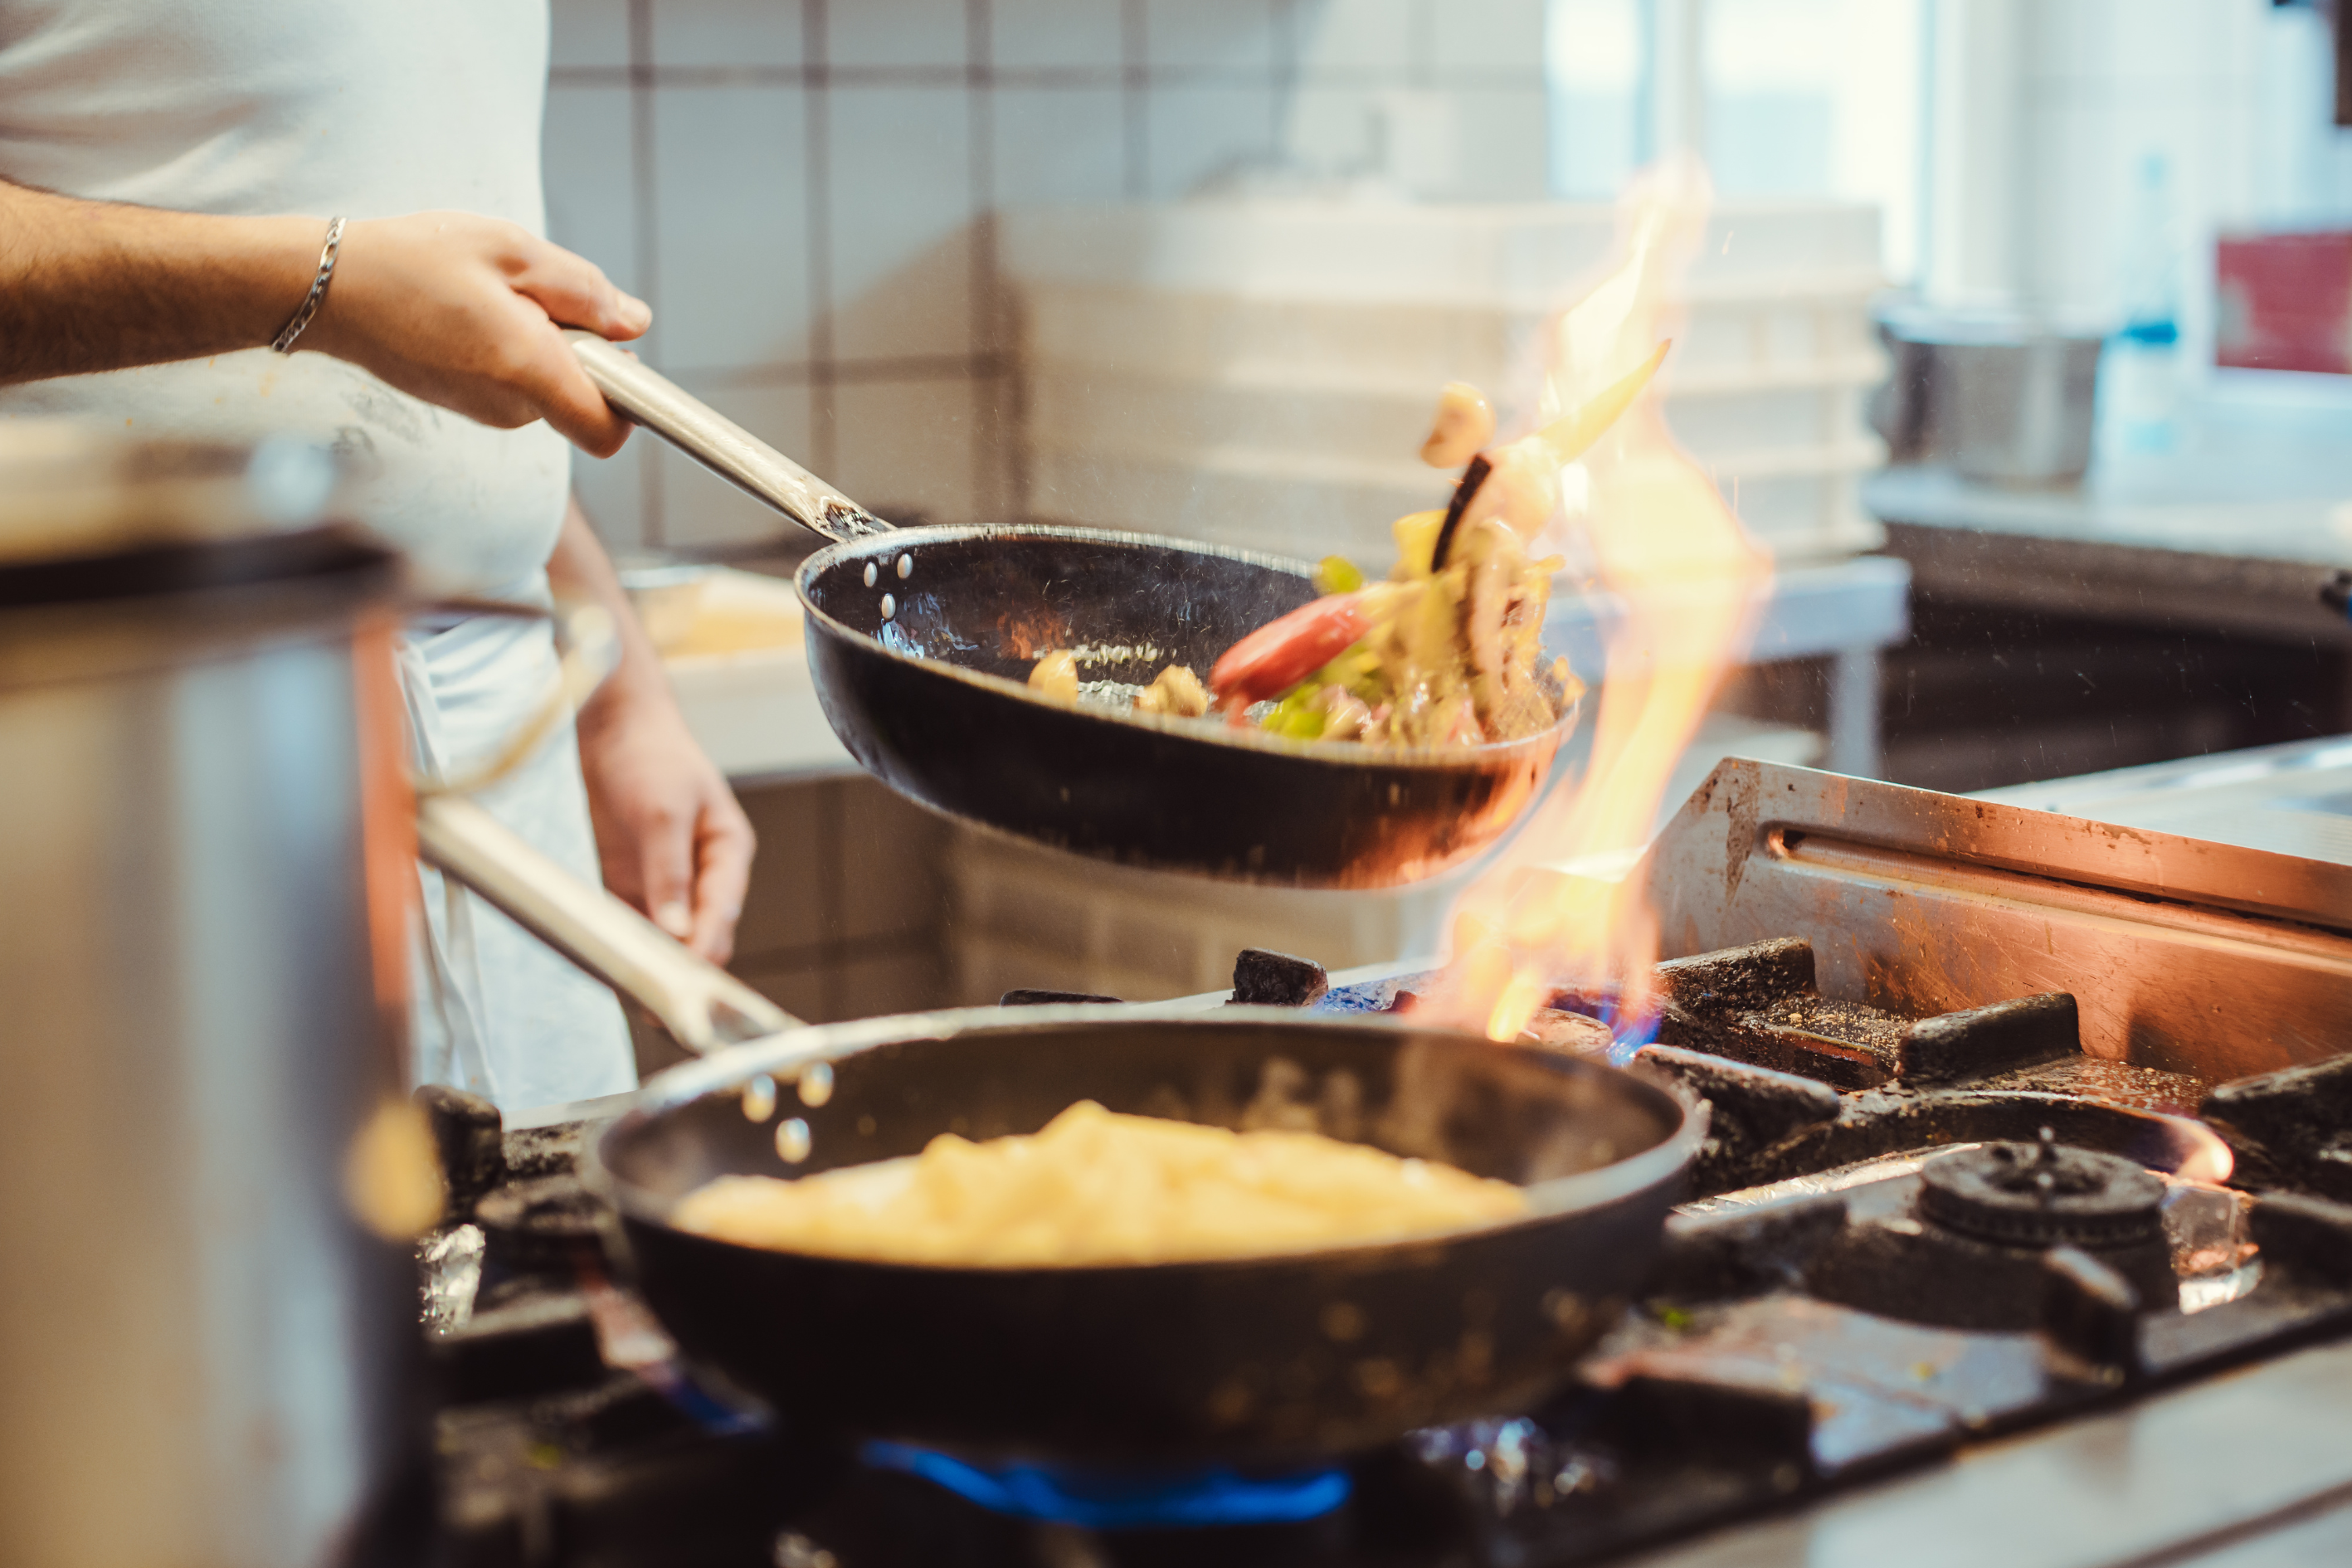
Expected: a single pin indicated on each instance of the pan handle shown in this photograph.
(704, 1007)
(718, 442)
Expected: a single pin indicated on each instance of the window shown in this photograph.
(1818, 99)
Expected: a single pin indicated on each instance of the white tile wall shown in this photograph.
(726, 35)
(2103, 83)
(1055, 145)
(801, 188)
(591, 34)
(592, 202)
(1198, 131)
(613, 491)
(701, 511)
(869, 34)
(907, 447)
(903, 202)
(1223, 36)
(846, 913)
(731, 204)
(1030, 36)
(1350, 40)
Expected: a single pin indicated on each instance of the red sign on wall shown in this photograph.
(2284, 301)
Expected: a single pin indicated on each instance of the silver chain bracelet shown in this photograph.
(284, 341)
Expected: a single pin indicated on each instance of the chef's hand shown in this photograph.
(457, 309)
(465, 311)
(672, 840)
(671, 837)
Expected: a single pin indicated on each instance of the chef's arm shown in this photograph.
(457, 309)
(669, 833)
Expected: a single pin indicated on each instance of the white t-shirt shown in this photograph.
(256, 107)
(369, 110)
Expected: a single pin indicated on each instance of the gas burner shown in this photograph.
(1905, 1233)
(1967, 1242)
(2043, 1195)
(1121, 1500)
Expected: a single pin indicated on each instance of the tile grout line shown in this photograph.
(835, 873)
(1422, 73)
(653, 527)
(1134, 83)
(981, 329)
(822, 430)
(1284, 69)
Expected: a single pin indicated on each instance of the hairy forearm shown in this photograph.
(91, 285)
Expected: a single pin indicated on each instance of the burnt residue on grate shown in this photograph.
(1757, 1004)
(1739, 980)
(2292, 1127)
(2118, 1083)
(535, 1152)
(1849, 1021)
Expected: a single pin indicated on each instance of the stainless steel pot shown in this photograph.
(206, 1357)
(2003, 399)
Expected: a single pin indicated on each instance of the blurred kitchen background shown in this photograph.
(2020, 335)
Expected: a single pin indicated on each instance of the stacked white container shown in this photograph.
(1262, 373)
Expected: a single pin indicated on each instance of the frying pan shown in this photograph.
(920, 641)
(1259, 1360)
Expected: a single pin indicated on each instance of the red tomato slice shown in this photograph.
(1282, 653)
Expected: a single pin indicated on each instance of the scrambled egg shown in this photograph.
(1099, 1188)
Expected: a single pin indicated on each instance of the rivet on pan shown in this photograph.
(906, 566)
(889, 606)
(759, 1099)
(816, 1083)
(793, 1140)
(872, 576)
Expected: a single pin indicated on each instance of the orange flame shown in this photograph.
(1560, 911)
(2208, 1159)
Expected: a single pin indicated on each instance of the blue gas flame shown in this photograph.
(1121, 1500)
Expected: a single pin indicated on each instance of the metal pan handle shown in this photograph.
(718, 444)
(704, 1007)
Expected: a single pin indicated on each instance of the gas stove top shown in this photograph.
(1964, 1190)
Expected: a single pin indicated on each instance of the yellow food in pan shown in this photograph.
(1098, 1187)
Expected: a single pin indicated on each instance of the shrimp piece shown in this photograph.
(1056, 675)
(1177, 691)
(1465, 423)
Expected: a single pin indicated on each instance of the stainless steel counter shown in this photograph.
(2234, 530)
(2292, 800)
(2250, 1469)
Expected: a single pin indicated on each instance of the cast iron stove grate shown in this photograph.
(1905, 1235)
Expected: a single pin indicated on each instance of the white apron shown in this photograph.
(495, 1010)
(366, 109)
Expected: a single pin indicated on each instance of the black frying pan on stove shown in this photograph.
(1248, 1360)
(922, 640)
